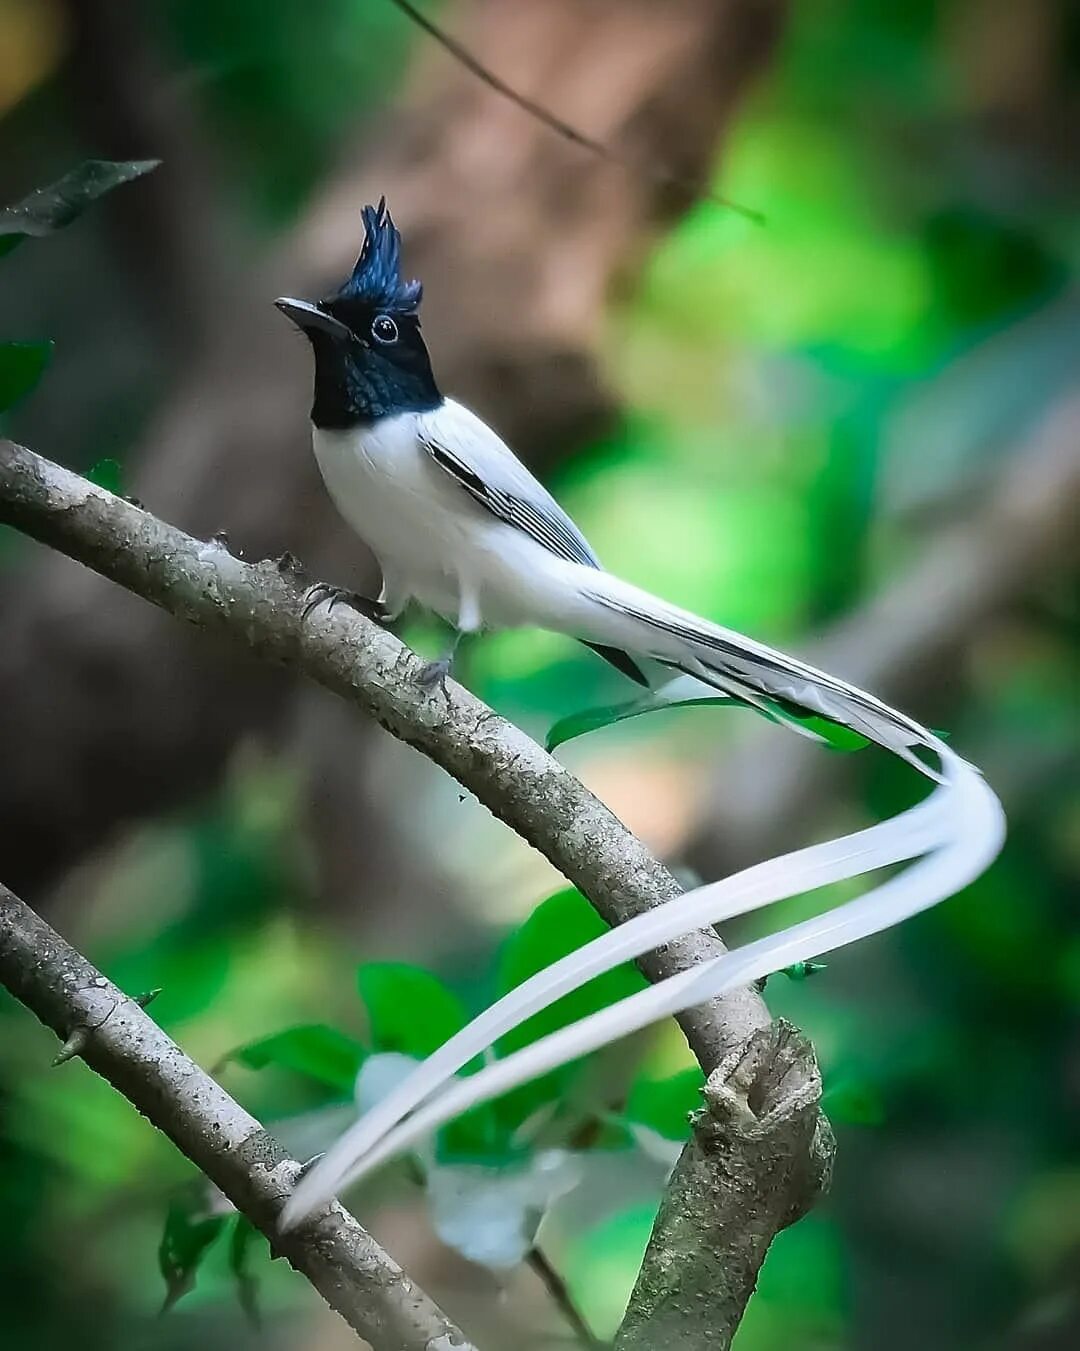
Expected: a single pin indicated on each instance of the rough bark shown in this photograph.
(126, 1047)
(759, 1142)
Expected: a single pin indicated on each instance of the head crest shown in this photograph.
(376, 278)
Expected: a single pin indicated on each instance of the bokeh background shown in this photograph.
(851, 430)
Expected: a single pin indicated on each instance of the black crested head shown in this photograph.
(370, 357)
(376, 278)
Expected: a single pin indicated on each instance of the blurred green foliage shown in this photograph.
(21, 367)
(803, 400)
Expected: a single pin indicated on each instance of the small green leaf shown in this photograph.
(591, 720)
(322, 1052)
(107, 474)
(51, 208)
(191, 1228)
(664, 1105)
(247, 1284)
(409, 1010)
(21, 367)
(803, 970)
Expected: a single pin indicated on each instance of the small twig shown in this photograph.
(561, 128)
(556, 1288)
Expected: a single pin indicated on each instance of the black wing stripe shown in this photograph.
(548, 531)
(622, 661)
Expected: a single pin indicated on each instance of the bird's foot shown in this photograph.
(434, 675)
(323, 592)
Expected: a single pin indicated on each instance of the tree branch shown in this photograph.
(759, 1141)
(125, 1046)
(260, 606)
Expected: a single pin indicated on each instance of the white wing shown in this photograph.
(488, 470)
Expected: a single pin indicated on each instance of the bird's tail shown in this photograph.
(948, 840)
(748, 670)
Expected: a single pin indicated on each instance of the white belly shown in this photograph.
(433, 543)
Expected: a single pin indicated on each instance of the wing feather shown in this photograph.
(485, 467)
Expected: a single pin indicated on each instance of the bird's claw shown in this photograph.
(434, 675)
(322, 592)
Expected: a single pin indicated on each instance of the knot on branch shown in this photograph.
(767, 1094)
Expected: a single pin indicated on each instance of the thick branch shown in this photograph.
(260, 605)
(759, 1141)
(125, 1046)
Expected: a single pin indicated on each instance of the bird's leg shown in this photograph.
(321, 592)
(435, 673)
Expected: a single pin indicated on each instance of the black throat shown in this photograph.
(355, 386)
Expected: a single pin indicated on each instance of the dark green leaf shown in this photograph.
(322, 1052)
(49, 209)
(591, 720)
(21, 366)
(190, 1230)
(409, 1010)
(559, 925)
(107, 474)
(247, 1284)
(664, 1105)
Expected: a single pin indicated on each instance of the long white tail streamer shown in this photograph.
(959, 829)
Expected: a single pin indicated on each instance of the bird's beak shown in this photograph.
(307, 316)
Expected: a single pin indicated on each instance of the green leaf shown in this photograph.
(51, 208)
(190, 1230)
(21, 367)
(107, 474)
(322, 1052)
(559, 925)
(409, 1010)
(247, 1285)
(803, 970)
(664, 1105)
(591, 720)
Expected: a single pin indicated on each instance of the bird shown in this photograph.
(459, 525)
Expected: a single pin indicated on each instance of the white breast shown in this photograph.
(433, 542)
(381, 481)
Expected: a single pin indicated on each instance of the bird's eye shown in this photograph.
(383, 329)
